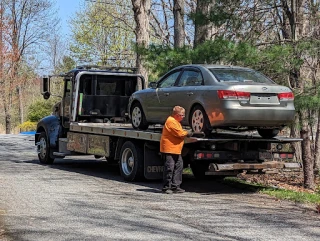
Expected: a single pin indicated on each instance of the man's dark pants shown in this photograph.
(172, 173)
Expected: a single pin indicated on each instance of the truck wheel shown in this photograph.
(131, 162)
(199, 170)
(44, 149)
(268, 133)
(138, 118)
(199, 121)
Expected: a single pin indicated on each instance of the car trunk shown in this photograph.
(262, 95)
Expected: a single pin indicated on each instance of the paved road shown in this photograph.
(82, 199)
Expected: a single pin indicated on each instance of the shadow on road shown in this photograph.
(101, 169)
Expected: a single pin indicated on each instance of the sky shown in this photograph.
(66, 9)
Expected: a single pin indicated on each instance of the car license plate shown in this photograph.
(264, 99)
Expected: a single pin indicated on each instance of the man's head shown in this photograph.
(178, 113)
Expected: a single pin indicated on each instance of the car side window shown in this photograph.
(169, 80)
(190, 78)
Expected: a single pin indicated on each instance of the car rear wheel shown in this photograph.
(138, 118)
(268, 133)
(199, 121)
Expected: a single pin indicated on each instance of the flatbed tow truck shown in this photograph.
(92, 119)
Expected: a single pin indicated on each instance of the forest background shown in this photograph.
(280, 38)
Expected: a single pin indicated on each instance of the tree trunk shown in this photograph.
(307, 157)
(317, 145)
(294, 10)
(204, 29)
(141, 11)
(7, 117)
(178, 15)
(295, 133)
(21, 114)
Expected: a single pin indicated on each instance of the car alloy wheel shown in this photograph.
(199, 121)
(138, 119)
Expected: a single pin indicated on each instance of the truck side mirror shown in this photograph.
(45, 87)
(46, 95)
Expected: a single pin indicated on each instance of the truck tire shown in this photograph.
(199, 170)
(131, 162)
(268, 133)
(44, 149)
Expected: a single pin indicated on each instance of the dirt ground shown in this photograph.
(286, 180)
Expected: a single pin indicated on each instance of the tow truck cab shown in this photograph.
(90, 94)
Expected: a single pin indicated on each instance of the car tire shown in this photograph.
(268, 133)
(199, 121)
(131, 162)
(138, 118)
(44, 149)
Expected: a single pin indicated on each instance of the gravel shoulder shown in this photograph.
(85, 199)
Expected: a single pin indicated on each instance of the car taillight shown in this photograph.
(286, 96)
(233, 95)
(243, 95)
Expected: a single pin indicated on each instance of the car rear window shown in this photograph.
(239, 75)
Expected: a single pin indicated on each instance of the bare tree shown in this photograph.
(204, 29)
(141, 11)
(28, 23)
(179, 32)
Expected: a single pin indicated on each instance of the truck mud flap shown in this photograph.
(153, 166)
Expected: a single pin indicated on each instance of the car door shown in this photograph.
(164, 94)
(188, 90)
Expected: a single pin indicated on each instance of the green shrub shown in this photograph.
(28, 126)
(39, 109)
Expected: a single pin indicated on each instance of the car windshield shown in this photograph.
(239, 75)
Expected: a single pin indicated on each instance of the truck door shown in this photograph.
(66, 103)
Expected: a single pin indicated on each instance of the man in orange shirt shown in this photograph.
(171, 144)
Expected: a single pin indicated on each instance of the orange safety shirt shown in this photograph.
(172, 137)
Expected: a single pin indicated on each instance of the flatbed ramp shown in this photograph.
(154, 134)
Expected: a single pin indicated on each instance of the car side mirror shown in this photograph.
(153, 85)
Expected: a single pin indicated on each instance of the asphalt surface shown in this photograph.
(85, 199)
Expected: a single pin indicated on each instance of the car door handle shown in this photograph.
(166, 94)
(190, 93)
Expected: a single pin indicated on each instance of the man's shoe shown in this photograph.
(167, 191)
(178, 190)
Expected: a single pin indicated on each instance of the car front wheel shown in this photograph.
(199, 121)
(138, 118)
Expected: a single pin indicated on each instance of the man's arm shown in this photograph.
(176, 130)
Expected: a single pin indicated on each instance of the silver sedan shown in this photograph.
(215, 96)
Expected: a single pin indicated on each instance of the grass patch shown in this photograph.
(301, 197)
(187, 171)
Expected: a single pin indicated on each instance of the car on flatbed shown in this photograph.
(215, 96)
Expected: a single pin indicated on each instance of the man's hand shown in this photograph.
(190, 133)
